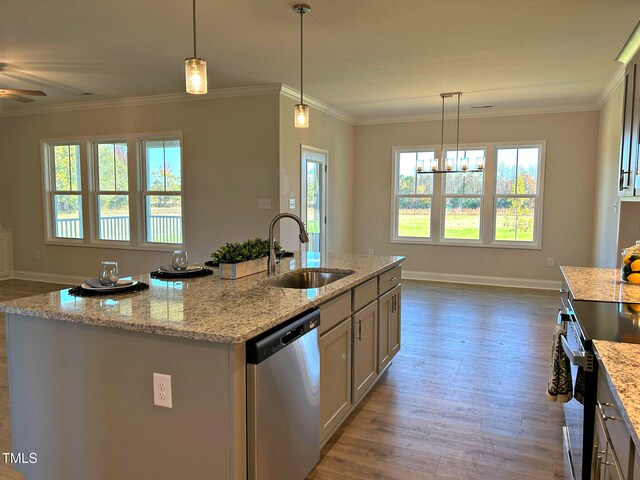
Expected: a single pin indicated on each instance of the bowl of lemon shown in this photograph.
(630, 269)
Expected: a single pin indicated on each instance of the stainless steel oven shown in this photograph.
(577, 431)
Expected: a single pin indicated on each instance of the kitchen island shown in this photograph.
(81, 368)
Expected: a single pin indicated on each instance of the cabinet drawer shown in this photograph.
(365, 294)
(334, 311)
(613, 422)
(389, 279)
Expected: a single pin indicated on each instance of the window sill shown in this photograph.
(465, 244)
(169, 247)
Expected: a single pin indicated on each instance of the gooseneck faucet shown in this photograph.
(304, 238)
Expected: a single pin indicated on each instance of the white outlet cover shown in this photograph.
(162, 390)
(292, 203)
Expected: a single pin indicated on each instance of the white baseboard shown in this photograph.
(48, 277)
(483, 280)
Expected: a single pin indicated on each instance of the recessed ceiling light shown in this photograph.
(482, 106)
(86, 93)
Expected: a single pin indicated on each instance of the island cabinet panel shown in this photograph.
(335, 377)
(389, 279)
(334, 311)
(365, 348)
(388, 326)
(365, 294)
(93, 416)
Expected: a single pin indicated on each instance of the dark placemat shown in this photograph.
(161, 275)
(83, 292)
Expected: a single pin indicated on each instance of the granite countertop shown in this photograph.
(599, 285)
(622, 364)
(205, 308)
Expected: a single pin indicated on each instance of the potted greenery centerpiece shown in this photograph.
(240, 259)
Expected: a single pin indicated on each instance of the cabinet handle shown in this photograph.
(393, 279)
(359, 330)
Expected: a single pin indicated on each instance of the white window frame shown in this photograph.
(488, 202)
(89, 192)
(539, 197)
(395, 202)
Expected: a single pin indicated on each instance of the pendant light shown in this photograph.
(301, 118)
(447, 165)
(195, 69)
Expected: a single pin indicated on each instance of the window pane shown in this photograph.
(527, 171)
(113, 217)
(464, 183)
(506, 170)
(67, 216)
(163, 215)
(515, 219)
(414, 217)
(313, 206)
(163, 165)
(462, 218)
(67, 167)
(113, 175)
(408, 181)
(425, 181)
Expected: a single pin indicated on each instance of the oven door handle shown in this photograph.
(578, 359)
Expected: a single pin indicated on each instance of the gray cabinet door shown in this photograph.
(365, 349)
(395, 322)
(384, 315)
(335, 377)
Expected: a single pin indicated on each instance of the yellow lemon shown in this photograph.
(634, 306)
(635, 265)
(634, 278)
(627, 259)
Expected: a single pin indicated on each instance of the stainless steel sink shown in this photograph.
(307, 278)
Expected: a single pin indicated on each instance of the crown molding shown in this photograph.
(290, 92)
(490, 112)
(610, 87)
(149, 100)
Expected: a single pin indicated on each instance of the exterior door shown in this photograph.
(313, 196)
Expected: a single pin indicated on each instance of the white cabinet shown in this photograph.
(6, 254)
(365, 358)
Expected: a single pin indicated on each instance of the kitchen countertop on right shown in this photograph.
(599, 285)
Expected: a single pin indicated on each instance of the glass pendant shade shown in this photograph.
(195, 70)
(302, 116)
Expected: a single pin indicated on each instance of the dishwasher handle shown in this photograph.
(272, 341)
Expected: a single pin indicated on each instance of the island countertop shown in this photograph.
(205, 308)
(622, 366)
(599, 285)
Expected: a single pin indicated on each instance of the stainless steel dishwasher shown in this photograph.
(283, 400)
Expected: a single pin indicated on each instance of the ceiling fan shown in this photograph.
(16, 94)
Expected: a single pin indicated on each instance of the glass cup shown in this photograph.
(180, 260)
(108, 274)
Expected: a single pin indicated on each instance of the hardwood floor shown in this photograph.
(12, 289)
(464, 398)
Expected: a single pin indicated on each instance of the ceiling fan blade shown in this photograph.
(17, 98)
(18, 91)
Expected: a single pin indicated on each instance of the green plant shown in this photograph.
(237, 252)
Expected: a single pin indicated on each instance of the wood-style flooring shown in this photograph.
(463, 399)
(465, 396)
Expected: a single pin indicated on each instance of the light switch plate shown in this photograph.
(292, 203)
(264, 203)
(162, 390)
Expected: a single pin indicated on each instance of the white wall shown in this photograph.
(605, 231)
(231, 159)
(337, 137)
(568, 196)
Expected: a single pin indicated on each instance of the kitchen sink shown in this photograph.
(307, 278)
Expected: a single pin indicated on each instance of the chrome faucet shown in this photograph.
(304, 238)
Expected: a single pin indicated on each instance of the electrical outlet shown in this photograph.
(551, 262)
(37, 254)
(264, 203)
(292, 203)
(371, 251)
(162, 390)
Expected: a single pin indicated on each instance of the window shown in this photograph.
(414, 194)
(517, 192)
(129, 200)
(499, 206)
(66, 191)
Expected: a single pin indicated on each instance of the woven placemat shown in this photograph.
(83, 292)
(161, 275)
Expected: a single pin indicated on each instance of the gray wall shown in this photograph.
(572, 142)
(230, 155)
